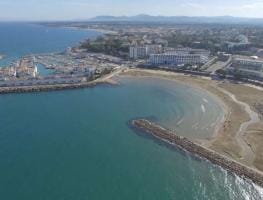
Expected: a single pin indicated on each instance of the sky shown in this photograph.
(35, 10)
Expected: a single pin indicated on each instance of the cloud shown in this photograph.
(254, 6)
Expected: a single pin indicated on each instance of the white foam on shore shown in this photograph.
(243, 188)
(179, 122)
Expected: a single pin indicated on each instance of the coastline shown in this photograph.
(102, 31)
(46, 88)
(224, 140)
(176, 77)
(57, 87)
(236, 135)
(159, 75)
(160, 133)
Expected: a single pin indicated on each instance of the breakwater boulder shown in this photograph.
(196, 149)
(45, 88)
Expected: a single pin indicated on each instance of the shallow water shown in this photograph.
(76, 145)
(189, 112)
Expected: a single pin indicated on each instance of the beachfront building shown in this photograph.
(177, 59)
(251, 67)
(140, 52)
(203, 52)
(154, 49)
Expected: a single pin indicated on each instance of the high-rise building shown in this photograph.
(140, 52)
(137, 52)
(154, 49)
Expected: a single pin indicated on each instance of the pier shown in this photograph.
(185, 144)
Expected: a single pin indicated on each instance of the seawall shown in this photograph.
(45, 88)
(196, 149)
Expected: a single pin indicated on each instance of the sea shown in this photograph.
(21, 39)
(77, 144)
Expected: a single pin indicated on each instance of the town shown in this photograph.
(233, 52)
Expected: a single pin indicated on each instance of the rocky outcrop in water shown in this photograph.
(196, 149)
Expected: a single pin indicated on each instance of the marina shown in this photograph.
(70, 67)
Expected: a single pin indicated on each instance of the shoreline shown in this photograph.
(254, 118)
(102, 31)
(195, 149)
(46, 88)
(230, 136)
(224, 140)
(107, 79)
(218, 122)
(155, 74)
(57, 87)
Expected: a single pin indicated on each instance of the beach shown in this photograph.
(240, 133)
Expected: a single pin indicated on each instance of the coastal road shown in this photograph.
(219, 65)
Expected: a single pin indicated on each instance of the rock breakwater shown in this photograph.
(45, 88)
(196, 149)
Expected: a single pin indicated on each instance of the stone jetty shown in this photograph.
(45, 88)
(196, 149)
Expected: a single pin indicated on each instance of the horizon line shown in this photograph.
(105, 15)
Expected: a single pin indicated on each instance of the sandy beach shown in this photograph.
(240, 134)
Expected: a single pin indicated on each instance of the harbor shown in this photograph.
(67, 68)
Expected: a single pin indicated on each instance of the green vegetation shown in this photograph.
(110, 45)
(204, 41)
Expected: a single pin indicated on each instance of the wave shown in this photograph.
(179, 122)
(205, 100)
(203, 108)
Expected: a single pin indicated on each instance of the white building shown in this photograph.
(140, 52)
(252, 67)
(154, 49)
(252, 62)
(177, 59)
(188, 51)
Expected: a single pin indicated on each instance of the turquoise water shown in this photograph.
(42, 71)
(77, 145)
(20, 39)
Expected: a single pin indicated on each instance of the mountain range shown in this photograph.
(179, 19)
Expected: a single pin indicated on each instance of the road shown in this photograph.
(219, 65)
(111, 75)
